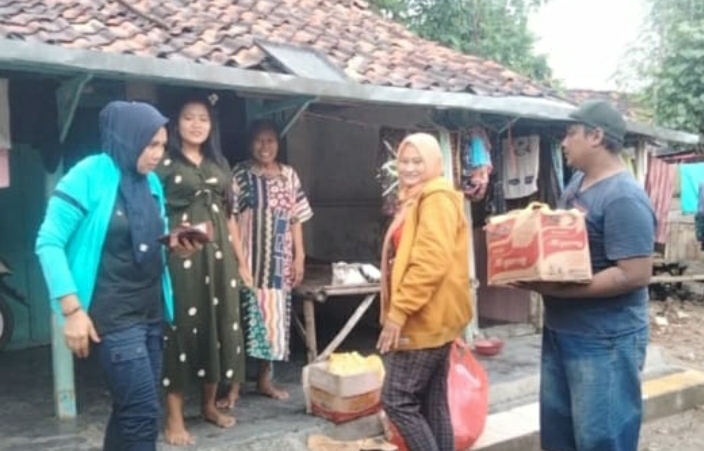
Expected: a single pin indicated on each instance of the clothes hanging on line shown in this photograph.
(691, 175)
(558, 166)
(476, 165)
(522, 163)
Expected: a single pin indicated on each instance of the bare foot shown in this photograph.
(175, 433)
(268, 389)
(219, 419)
(229, 401)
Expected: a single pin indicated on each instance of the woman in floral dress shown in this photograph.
(206, 344)
(271, 208)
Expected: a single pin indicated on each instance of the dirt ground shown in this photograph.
(681, 432)
(678, 328)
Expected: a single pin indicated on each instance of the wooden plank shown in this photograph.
(676, 279)
(67, 96)
(311, 338)
(681, 242)
(299, 327)
(345, 331)
(351, 290)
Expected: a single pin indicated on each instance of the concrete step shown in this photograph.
(518, 429)
(508, 400)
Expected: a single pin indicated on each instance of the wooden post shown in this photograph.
(309, 319)
(472, 329)
(446, 147)
(641, 162)
(536, 311)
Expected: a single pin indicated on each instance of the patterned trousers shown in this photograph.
(414, 397)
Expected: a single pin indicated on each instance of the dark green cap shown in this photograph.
(601, 114)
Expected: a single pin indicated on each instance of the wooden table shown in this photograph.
(317, 288)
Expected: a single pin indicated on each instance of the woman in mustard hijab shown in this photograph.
(425, 301)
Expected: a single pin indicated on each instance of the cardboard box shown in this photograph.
(340, 409)
(344, 386)
(538, 244)
(341, 398)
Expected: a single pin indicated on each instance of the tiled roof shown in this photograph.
(622, 101)
(369, 48)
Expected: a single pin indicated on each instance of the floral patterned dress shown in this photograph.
(266, 207)
(206, 342)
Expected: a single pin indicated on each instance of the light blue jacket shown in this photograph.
(70, 240)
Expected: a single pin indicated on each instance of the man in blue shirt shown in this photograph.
(596, 334)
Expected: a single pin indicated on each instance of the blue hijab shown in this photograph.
(126, 129)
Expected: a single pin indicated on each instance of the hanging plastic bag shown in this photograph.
(476, 165)
(468, 395)
(468, 400)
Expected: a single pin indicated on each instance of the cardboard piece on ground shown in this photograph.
(538, 244)
(322, 443)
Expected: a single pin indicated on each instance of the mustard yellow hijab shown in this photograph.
(429, 149)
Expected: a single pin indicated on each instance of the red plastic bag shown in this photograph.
(468, 399)
(468, 395)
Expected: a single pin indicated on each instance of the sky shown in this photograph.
(585, 39)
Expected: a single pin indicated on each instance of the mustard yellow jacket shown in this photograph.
(430, 291)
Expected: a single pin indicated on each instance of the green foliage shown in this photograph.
(492, 29)
(392, 9)
(670, 59)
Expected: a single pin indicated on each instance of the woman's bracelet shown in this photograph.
(67, 314)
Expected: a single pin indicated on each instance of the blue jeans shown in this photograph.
(131, 360)
(590, 391)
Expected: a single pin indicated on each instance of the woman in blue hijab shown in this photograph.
(105, 269)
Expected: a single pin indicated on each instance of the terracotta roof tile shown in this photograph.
(368, 48)
(622, 101)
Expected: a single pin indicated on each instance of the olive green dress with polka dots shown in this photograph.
(206, 342)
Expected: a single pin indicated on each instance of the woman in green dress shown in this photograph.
(206, 343)
(271, 208)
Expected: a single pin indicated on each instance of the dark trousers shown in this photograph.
(414, 397)
(131, 360)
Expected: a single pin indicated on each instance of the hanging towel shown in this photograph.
(691, 175)
(558, 167)
(5, 141)
(522, 162)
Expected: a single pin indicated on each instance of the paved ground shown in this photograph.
(27, 422)
(680, 336)
(683, 432)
